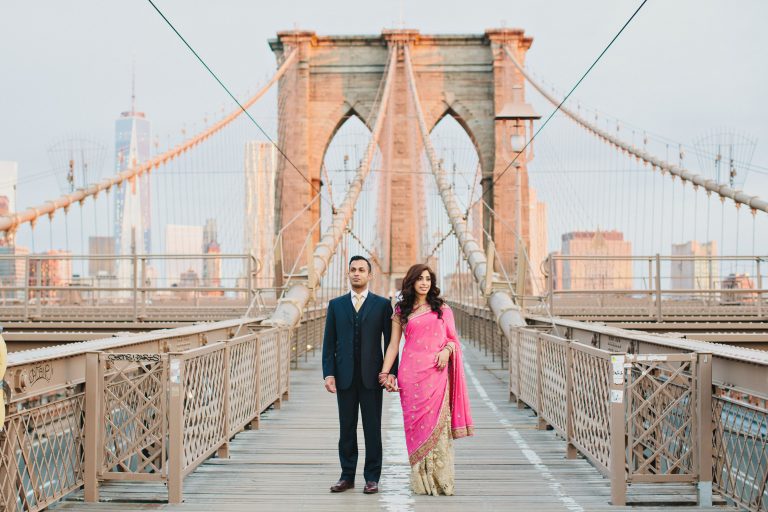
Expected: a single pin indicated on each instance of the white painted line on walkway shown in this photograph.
(529, 454)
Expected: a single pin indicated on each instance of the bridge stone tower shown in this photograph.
(465, 76)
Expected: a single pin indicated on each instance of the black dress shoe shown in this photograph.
(371, 487)
(342, 485)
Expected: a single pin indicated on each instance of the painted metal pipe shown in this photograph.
(508, 314)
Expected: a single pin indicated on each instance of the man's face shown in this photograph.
(359, 275)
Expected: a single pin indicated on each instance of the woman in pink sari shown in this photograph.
(430, 378)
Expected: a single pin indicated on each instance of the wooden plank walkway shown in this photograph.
(292, 460)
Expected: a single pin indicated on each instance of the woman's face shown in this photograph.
(423, 284)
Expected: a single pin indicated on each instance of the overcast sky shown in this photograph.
(682, 68)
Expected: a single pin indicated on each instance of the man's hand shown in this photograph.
(330, 384)
(391, 383)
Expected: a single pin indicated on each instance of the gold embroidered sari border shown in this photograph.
(434, 436)
(460, 432)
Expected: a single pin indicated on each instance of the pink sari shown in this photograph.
(423, 386)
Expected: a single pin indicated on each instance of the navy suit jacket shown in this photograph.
(338, 341)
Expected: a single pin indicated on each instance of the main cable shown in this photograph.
(226, 89)
(552, 114)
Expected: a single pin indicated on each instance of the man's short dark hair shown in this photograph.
(358, 257)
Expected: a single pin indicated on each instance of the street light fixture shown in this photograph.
(514, 116)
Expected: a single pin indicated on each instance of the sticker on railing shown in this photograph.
(617, 362)
(3, 360)
(175, 371)
(617, 396)
(651, 357)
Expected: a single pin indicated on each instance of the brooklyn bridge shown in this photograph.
(167, 355)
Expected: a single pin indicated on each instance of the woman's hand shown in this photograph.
(441, 359)
(391, 383)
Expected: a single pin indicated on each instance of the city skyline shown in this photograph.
(544, 39)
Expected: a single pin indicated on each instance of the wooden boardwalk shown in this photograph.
(292, 460)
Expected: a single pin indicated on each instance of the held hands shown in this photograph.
(389, 382)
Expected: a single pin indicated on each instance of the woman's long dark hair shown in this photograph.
(408, 292)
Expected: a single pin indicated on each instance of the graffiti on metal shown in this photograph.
(134, 358)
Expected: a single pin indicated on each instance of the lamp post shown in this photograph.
(514, 116)
(517, 143)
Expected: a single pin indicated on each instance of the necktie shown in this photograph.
(358, 302)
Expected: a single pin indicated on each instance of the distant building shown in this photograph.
(538, 239)
(101, 246)
(212, 264)
(180, 239)
(12, 271)
(557, 270)
(9, 178)
(259, 222)
(51, 268)
(696, 273)
(598, 270)
(737, 282)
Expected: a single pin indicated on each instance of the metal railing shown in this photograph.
(131, 287)
(656, 287)
(679, 410)
(148, 407)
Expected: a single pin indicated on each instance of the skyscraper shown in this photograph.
(260, 174)
(101, 246)
(600, 270)
(132, 200)
(211, 265)
(697, 273)
(538, 239)
(183, 240)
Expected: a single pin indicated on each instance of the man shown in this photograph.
(352, 359)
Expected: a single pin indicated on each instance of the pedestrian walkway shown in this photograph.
(290, 463)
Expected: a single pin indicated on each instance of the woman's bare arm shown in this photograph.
(394, 346)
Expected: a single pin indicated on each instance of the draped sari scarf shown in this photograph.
(423, 386)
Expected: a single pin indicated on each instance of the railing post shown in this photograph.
(279, 362)
(760, 293)
(94, 393)
(541, 424)
(144, 291)
(706, 428)
(551, 285)
(286, 395)
(658, 288)
(650, 286)
(256, 422)
(570, 449)
(26, 288)
(135, 285)
(223, 451)
(618, 456)
(38, 284)
(176, 429)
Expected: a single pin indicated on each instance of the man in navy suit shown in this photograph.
(352, 358)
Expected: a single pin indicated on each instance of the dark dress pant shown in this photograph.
(368, 402)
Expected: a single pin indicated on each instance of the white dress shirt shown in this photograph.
(363, 294)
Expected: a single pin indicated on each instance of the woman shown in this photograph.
(430, 379)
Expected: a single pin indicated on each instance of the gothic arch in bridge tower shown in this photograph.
(465, 76)
(463, 120)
